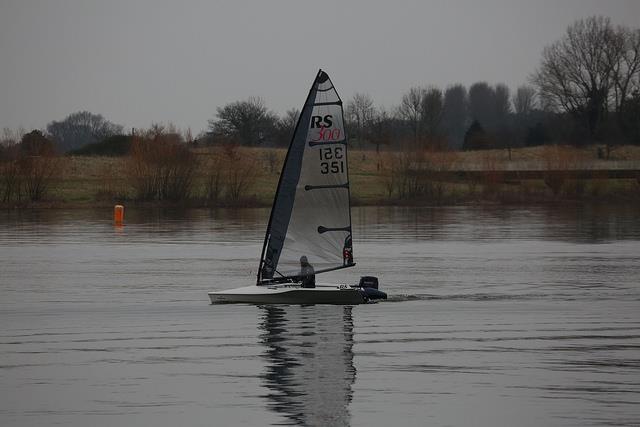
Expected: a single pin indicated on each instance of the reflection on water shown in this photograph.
(309, 363)
(570, 223)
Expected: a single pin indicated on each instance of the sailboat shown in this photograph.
(309, 230)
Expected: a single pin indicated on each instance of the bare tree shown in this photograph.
(38, 164)
(285, 126)
(246, 122)
(503, 130)
(502, 103)
(240, 175)
(524, 103)
(161, 166)
(213, 171)
(626, 76)
(10, 177)
(432, 111)
(576, 74)
(80, 129)
(411, 109)
(229, 173)
(360, 112)
(187, 136)
(524, 100)
(627, 82)
(381, 129)
(11, 137)
(160, 130)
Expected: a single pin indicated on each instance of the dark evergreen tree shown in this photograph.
(537, 135)
(455, 114)
(630, 118)
(482, 105)
(116, 145)
(475, 138)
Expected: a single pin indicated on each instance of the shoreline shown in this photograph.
(418, 203)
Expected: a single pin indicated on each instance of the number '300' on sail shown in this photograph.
(311, 214)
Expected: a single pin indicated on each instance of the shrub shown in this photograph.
(240, 173)
(116, 145)
(410, 175)
(213, 179)
(10, 179)
(161, 167)
(30, 169)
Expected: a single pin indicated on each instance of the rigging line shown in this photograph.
(293, 278)
(282, 275)
(274, 269)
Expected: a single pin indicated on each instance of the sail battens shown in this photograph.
(325, 187)
(314, 143)
(317, 154)
(319, 104)
(340, 267)
(322, 229)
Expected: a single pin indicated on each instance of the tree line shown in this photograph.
(586, 90)
(160, 165)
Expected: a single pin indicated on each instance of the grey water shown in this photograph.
(504, 316)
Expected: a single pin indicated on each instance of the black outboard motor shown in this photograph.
(369, 287)
(368, 282)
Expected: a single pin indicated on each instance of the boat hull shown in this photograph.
(290, 294)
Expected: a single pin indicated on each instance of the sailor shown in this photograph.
(307, 274)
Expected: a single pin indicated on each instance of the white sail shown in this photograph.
(311, 214)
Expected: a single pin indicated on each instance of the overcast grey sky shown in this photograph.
(143, 61)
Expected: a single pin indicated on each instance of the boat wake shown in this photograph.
(477, 297)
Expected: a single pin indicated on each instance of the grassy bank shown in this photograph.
(376, 179)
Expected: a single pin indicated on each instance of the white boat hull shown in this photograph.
(290, 294)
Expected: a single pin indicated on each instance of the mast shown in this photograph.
(310, 215)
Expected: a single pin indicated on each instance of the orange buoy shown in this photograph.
(118, 214)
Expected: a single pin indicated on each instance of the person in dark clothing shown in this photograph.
(307, 274)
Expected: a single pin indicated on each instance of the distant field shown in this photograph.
(95, 181)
